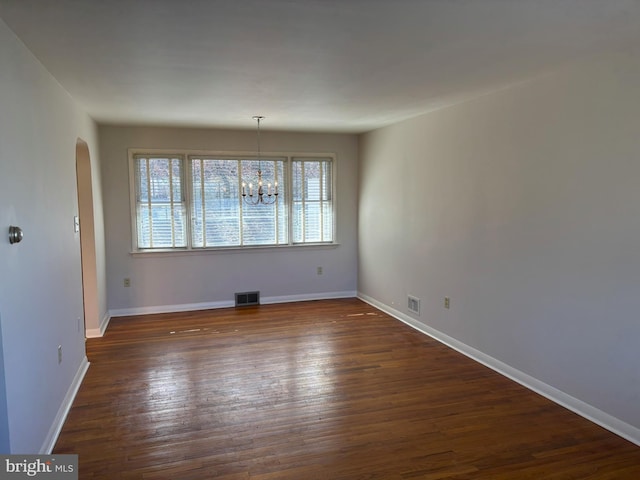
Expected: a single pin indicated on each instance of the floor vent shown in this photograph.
(413, 304)
(246, 299)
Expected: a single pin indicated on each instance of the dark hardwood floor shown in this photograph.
(315, 390)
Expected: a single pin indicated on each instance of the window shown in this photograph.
(219, 216)
(160, 202)
(312, 201)
(194, 201)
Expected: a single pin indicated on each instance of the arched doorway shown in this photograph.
(87, 238)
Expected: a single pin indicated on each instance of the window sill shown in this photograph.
(218, 250)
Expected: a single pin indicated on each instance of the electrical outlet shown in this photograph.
(413, 304)
(319, 270)
(447, 302)
(59, 354)
(127, 282)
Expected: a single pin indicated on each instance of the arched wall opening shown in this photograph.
(87, 238)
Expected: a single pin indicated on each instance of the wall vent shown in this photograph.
(245, 299)
(413, 304)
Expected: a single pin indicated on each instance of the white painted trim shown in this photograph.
(308, 297)
(99, 332)
(288, 158)
(93, 333)
(227, 250)
(188, 307)
(184, 307)
(591, 413)
(63, 411)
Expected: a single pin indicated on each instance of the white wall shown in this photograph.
(40, 280)
(164, 283)
(524, 208)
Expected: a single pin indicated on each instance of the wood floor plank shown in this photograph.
(331, 389)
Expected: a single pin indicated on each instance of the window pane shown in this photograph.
(264, 224)
(197, 209)
(215, 209)
(312, 201)
(160, 203)
(312, 222)
(327, 223)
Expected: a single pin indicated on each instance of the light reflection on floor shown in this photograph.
(296, 377)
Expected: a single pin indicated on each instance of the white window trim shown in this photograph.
(185, 154)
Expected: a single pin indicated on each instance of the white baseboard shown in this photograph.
(184, 307)
(308, 297)
(99, 332)
(63, 411)
(188, 307)
(591, 413)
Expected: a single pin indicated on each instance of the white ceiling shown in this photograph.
(321, 65)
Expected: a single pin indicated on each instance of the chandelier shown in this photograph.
(257, 196)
